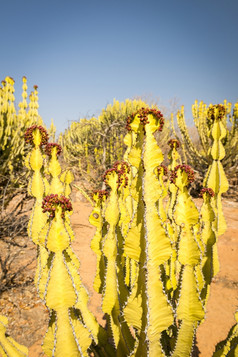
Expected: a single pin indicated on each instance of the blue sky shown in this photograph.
(82, 54)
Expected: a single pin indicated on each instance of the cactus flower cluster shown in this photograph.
(51, 202)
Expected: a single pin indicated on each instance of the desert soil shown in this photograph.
(28, 317)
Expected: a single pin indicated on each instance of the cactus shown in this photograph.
(190, 310)
(205, 118)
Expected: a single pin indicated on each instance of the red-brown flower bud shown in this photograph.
(174, 143)
(50, 146)
(185, 168)
(28, 136)
(51, 202)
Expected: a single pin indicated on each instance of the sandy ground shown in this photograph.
(28, 316)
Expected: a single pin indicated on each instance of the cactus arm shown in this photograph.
(200, 120)
(229, 347)
(188, 142)
(96, 219)
(190, 310)
(84, 194)
(172, 125)
(215, 177)
(67, 178)
(36, 186)
(190, 306)
(8, 346)
(160, 171)
(56, 186)
(112, 298)
(155, 244)
(210, 264)
(186, 333)
(59, 294)
(63, 291)
(110, 247)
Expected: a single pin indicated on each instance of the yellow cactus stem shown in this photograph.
(96, 219)
(97, 156)
(158, 245)
(172, 228)
(36, 136)
(111, 150)
(186, 216)
(8, 346)
(170, 278)
(52, 130)
(154, 313)
(72, 327)
(67, 178)
(23, 105)
(173, 154)
(53, 150)
(215, 177)
(12, 129)
(175, 159)
(123, 170)
(10, 98)
(160, 172)
(210, 266)
(192, 153)
(81, 190)
(190, 311)
(125, 208)
(114, 291)
(229, 347)
(38, 187)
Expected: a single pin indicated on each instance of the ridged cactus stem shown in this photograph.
(64, 293)
(155, 246)
(190, 310)
(96, 219)
(208, 237)
(114, 290)
(215, 177)
(37, 187)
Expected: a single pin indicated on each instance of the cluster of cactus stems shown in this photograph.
(13, 124)
(72, 327)
(204, 117)
(156, 253)
(155, 261)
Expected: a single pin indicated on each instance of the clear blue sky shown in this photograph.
(82, 54)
